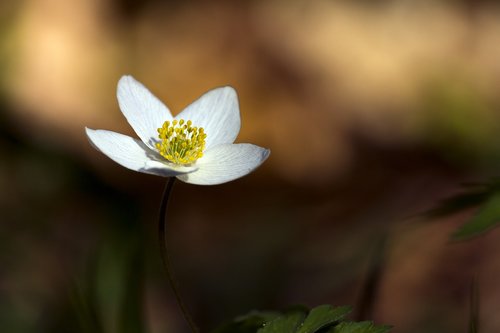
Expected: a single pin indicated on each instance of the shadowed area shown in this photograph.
(373, 111)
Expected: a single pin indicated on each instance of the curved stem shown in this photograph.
(162, 223)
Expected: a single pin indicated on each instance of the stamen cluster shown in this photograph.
(181, 143)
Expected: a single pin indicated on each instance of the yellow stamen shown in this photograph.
(181, 142)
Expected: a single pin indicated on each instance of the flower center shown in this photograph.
(181, 143)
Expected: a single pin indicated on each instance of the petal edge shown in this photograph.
(131, 153)
(217, 111)
(144, 111)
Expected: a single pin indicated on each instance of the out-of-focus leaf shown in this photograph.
(474, 308)
(473, 196)
(131, 316)
(486, 196)
(487, 217)
(323, 316)
(369, 290)
(82, 295)
(359, 327)
(108, 296)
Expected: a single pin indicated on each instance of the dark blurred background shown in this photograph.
(373, 111)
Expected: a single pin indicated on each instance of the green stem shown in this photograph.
(162, 223)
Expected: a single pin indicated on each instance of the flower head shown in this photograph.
(196, 146)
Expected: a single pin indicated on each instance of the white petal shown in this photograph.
(132, 153)
(144, 112)
(226, 162)
(218, 113)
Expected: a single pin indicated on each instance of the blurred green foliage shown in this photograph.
(460, 119)
(485, 197)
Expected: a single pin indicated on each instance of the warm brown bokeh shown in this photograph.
(373, 111)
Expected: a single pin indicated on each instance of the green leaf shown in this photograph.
(323, 316)
(359, 327)
(248, 323)
(297, 321)
(287, 323)
(487, 217)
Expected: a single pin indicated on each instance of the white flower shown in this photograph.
(196, 146)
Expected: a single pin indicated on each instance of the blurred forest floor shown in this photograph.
(373, 111)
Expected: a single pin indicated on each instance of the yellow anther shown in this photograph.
(181, 143)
